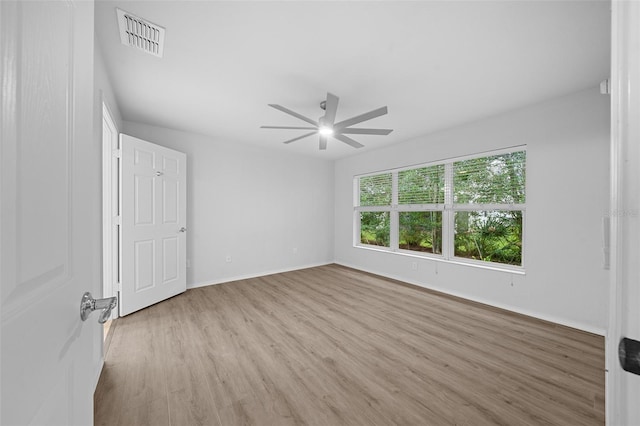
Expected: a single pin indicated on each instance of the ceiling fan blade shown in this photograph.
(348, 141)
(288, 127)
(331, 107)
(360, 118)
(300, 137)
(293, 113)
(358, 131)
(323, 142)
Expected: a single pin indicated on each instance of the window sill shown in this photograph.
(456, 261)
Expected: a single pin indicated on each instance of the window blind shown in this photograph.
(421, 186)
(497, 179)
(375, 190)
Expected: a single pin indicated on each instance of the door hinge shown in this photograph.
(117, 220)
(117, 153)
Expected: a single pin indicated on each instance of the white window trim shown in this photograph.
(448, 212)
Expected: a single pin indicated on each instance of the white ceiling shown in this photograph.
(435, 64)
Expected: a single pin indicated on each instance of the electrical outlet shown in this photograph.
(414, 266)
(228, 259)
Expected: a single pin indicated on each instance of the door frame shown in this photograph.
(110, 197)
(621, 387)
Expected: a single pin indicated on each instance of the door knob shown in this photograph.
(88, 304)
(183, 229)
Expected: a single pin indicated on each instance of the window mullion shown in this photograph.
(393, 219)
(447, 217)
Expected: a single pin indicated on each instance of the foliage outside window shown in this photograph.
(489, 235)
(374, 228)
(421, 231)
(469, 209)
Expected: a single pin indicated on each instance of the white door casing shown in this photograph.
(49, 244)
(153, 223)
(623, 388)
(110, 207)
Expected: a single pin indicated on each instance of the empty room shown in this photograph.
(320, 212)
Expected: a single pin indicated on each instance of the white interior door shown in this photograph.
(153, 191)
(49, 227)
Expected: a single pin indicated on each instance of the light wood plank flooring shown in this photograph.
(334, 346)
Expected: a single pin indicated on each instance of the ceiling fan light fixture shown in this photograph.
(325, 131)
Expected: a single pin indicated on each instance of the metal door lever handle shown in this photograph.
(88, 304)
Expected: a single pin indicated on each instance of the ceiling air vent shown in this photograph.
(141, 34)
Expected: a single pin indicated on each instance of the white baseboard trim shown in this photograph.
(550, 318)
(255, 275)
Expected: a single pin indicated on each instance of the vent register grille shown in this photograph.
(140, 33)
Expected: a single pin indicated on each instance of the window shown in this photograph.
(375, 193)
(420, 207)
(489, 197)
(469, 210)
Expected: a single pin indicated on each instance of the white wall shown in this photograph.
(104, 92)
(567, 195)
(252, 204)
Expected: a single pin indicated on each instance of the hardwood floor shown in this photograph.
(335, 346)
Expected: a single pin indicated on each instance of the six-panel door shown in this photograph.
(153, 223)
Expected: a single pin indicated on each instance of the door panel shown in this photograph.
(144, 200)
(48, 242)
(153, 200)
(144, 262)
(170, 260)
(170, 197)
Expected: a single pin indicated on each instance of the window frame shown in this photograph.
(448, 209)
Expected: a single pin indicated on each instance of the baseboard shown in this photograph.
(541, 316)
(255, 275)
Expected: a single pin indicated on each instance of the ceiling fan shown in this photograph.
(327, 127)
